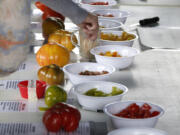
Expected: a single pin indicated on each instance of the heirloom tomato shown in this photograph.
(51, 74)
(55, 94)
(68, 115)
(64, 38)
(50, 25)
(52, 54)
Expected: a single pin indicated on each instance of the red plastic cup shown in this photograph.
(40, 88)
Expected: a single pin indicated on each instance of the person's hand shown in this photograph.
(90, 26)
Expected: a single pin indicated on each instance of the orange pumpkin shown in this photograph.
(62, 37)
(52, 54)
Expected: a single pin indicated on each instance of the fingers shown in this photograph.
(92, 35)
(90, 27)
(93, 26)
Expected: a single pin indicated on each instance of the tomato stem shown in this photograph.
(43, 108)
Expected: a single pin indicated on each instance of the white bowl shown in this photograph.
(120, 122)
(109, 24)
(127, 53)
(97, 103)
(137, 131)
(73, 70)
(84, 4)
(119, 33)
(118, 15)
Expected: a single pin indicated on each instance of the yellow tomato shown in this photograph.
(52, 54)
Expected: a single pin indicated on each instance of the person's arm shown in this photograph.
(68, 8)
(85, 20)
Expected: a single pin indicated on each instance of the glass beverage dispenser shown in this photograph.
(15, 18)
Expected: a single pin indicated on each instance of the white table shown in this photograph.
(154, 77)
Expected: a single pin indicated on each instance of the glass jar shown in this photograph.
(85, 45)
(15, 18)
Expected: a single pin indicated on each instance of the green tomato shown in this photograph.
(55, 94)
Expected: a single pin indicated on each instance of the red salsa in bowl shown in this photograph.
(135, 111)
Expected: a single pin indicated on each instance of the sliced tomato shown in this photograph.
(146, 107)
(155, 113)
(135, 111)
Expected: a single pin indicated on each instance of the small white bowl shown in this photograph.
(119, 33)
(120, 122)
(97, 103)
(137, 131)
(127, 53)
(109, 25)
(73, 70)
(118, 15)
(84, 4)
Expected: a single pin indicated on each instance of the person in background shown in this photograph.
(85, 20)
